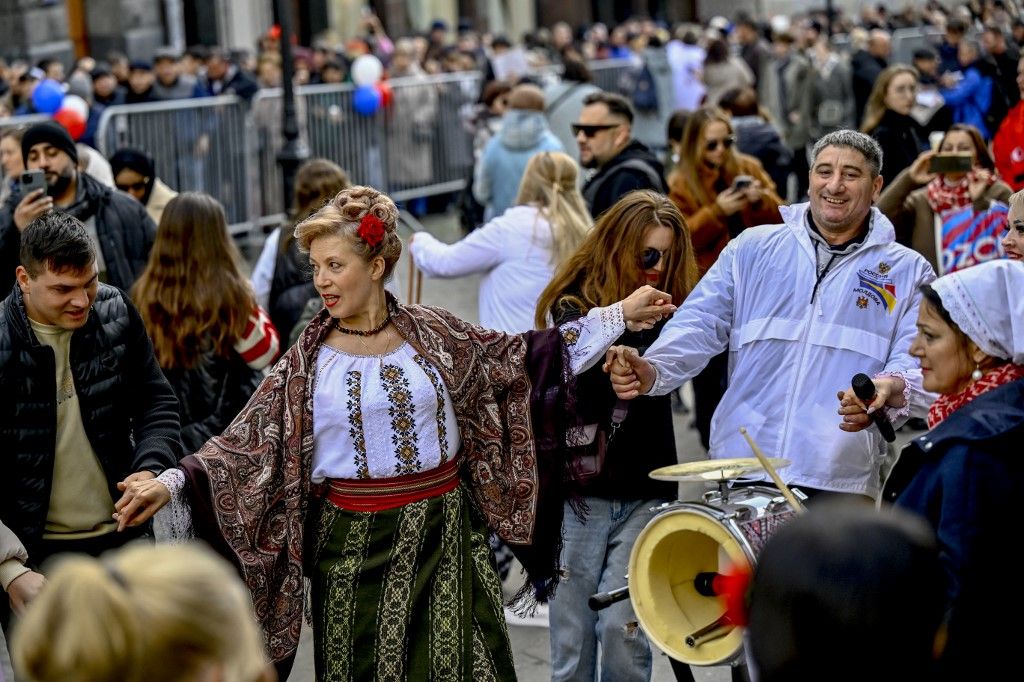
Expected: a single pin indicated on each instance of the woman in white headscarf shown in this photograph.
(966, 474)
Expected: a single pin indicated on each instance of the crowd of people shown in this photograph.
(816, 216)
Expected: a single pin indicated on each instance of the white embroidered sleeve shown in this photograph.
(173, 523)
(916, 399)
(587, 338)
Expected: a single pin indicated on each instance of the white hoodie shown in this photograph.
(788, 357)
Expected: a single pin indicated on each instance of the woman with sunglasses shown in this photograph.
(719, 191)
(642, 239)
(135, 174)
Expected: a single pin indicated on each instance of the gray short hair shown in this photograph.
(865, 144)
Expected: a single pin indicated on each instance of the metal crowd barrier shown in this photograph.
(197, 145)
(415, 147)
(26, 120)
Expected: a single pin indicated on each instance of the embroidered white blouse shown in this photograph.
(381, 416)
(390, 415)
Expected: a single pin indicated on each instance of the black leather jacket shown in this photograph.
(128, 408)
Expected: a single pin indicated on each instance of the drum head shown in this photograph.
(667, 555)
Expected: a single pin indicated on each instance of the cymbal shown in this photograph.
(714, 469)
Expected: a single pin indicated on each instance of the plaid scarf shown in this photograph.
(943, 196)
(947, 404)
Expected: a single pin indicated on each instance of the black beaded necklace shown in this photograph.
(360, 332)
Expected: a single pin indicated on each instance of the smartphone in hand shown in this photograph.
(951, 163)
(32, 180)
(742, 182)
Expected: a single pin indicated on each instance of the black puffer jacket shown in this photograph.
(124, 230)
(210, 395)
(128, 409)
(634, 168)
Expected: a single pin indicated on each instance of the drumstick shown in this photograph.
(786, 492)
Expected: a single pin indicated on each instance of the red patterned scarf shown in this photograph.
(947, 404)
(943, 197)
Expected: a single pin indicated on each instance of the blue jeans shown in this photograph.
(595, 558)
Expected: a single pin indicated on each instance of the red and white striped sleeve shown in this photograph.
(260, 343)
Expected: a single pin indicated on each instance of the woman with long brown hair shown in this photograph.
(210, 337)
(281, 277)
(642, 239)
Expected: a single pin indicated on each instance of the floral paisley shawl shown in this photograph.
(259, 469)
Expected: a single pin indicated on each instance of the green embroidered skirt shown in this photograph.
(407, 594)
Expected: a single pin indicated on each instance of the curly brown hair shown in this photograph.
(341, 217)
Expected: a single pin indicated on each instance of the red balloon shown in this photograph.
(72, 121)
(387, 95)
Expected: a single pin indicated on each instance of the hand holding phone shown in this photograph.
(741, 182)
(951, 163)
(31, 180)
(34, 200)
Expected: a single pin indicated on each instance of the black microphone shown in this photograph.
(865, 390)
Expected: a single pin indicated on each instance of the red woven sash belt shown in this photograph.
(378, 494)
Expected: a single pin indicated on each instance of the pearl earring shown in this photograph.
(976, 374)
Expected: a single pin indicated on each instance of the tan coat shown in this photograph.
(708, 228)
(905, 203)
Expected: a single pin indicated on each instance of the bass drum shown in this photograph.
(692, 538)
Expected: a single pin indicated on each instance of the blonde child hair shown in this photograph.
(145, 613)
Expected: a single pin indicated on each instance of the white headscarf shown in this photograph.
(987, 303)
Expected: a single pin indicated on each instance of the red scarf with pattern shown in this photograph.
(947, 404)
(944, 197)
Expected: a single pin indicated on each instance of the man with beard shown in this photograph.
(118, 225)
(605, 138)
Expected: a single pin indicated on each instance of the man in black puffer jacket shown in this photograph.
(85, 413)
(118, 224)
(604, 134)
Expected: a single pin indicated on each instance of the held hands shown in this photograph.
(857, 415)
(919, 169)
(34, 204)
(24, 589)
(645, 307)
(631, 375)
(143, 496)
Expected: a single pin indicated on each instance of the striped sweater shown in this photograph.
(260, 343)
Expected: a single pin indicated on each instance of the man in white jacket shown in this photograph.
(802, 307)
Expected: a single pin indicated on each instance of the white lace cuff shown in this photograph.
(898, 415)
(587, 338)
(173, 523)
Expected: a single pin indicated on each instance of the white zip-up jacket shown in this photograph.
(788, 357)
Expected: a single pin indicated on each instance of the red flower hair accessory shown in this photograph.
(371, 230)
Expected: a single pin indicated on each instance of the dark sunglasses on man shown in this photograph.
(728, 142)
(591, 130)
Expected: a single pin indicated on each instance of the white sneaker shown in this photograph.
(539, 619)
